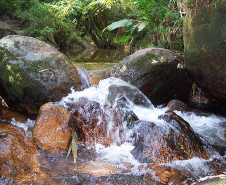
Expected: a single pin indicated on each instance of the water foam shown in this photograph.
(210, 127)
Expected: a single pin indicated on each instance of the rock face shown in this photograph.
(5, 29)
(204, 41)
(20, 160)
(159, 144)
(155, 72)
(177, 105)
(52, 131)
(33, 73)
(95, 125)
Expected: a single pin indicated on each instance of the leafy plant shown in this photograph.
(97, 18)
(156, 24)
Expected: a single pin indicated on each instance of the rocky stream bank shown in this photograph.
(119, 127)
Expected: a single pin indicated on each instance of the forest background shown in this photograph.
(109, 23)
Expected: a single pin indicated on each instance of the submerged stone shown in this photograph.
(33, 73)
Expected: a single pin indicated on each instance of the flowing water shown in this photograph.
(116, 158)
(116, 161)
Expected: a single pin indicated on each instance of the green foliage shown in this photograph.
(12, 5)
(58, 22)
(141, 23)
(157, 23)
(97, 18)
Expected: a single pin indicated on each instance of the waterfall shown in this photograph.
(84, 77)
(112, 92)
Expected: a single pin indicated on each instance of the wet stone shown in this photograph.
(167, 174)
(177, 105)
(94, 125)
(52, 131)
(20, 160)
(157, 144)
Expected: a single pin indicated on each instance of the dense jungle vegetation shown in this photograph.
(109, 23)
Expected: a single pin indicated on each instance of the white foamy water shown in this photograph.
(25, 126)
(211, 127)
(113, 90)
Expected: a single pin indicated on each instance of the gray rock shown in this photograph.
(33, 73)
(155, 72)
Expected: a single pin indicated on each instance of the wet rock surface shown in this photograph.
(168, 174)
(52, 131)
(154, 143)
(19, 158)
(33, 73)
(93, 125)
(204, 42)
(177, 105)
(155, 72)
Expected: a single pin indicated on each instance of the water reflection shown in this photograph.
(95, 59)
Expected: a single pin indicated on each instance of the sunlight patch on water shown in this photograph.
(121, 157)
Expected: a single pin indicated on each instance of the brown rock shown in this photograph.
(20, 159)
(168, 174)
(94, 80)
(159, 144)
(92, 124)
(52, 131)
(177, 105)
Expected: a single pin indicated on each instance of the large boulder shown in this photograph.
(20, 161)
(33, 73)
(52, 130)
(156, 73)
(204, 41)
(163, 144)
(95, 125)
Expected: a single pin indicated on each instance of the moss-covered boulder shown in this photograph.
(33, 73)
(156, 73)
(204, 40)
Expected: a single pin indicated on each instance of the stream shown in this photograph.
(115, 164)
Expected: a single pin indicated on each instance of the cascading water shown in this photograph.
(112, 91)
(115, 98)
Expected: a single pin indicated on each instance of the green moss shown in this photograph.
(146, 60)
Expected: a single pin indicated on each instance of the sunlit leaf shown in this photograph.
(142, 26)
(118, 24)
